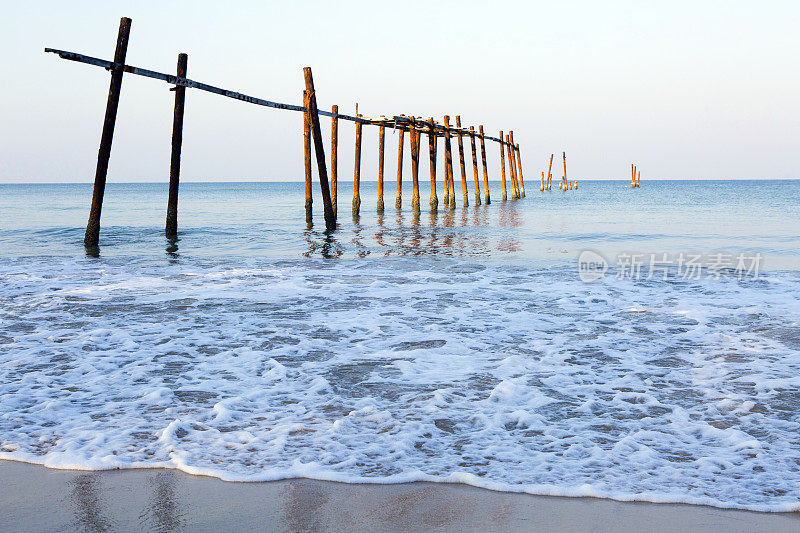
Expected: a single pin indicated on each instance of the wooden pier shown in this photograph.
(415, 126)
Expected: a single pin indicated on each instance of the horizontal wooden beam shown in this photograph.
(399, 122)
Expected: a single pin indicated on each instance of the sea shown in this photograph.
(638, 344)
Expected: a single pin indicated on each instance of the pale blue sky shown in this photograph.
(705, 89)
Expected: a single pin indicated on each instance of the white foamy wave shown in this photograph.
(506, 377)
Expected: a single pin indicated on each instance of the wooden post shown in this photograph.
(476, 183)
(638, 177)
(512, 167)
(330, 215)
(171, 229)
(550, 173)
(448, 162)
(503, 165)
(92, 236)
(520, 179)
(541, 187)
(414, 138)
(564, 181)
(434, 202)
(381, 134)
(398, 198)
(307, 153)
(632, 175)
(357, 171)
(464, 192)
(485, 172)
(335, 158)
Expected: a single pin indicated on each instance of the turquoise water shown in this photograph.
(464, 346)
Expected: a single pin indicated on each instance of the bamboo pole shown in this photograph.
(414, 138)
(485, 172)
(503, 165)
(92, 235)
(448, 162)
(381, 134)
(476, 183)
(307, 154)
(357, 171)
(335, 158)
(434, 202)
(464, 192)
(330, 216)
(171, 228)
(520, 179)
(398, 198)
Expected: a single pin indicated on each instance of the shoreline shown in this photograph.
(43, 499)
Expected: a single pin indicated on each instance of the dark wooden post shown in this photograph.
(357, 170)
(476, 183)
(330, 215)
(171, 229)
(448, 164)
(520, 180)
(307, 153)
(550, 173)
(381, 134)
(414, 138)
(92, 236)
(503, 165)
(398, 199)
(432, 146)
(485, 172)
(464, 192)
(335, 158)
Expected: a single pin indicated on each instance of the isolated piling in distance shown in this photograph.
(92, 236)
(476, 183)
(335, 158)
(486, 196)
(464, 191)
(171, 228)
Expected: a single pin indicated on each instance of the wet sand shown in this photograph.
(35, 498)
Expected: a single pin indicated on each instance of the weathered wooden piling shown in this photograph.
(633, 175)
(414, 138)
(512, 155)
(92, 235)
(171, 229)
(448, 163)
(381, 134)
(464, 192)
(564, 154)
(307, 154)
(638, 177)
(357, 170)
(476, 184)
(550, 173)
(483, 163)
(330, 215)
(541, 187)
(398, 197)
(432, 145)
(512, 171)
(503, 165)
(520, 179)
(335, 158)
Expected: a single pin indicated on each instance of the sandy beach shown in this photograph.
(36, 498)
